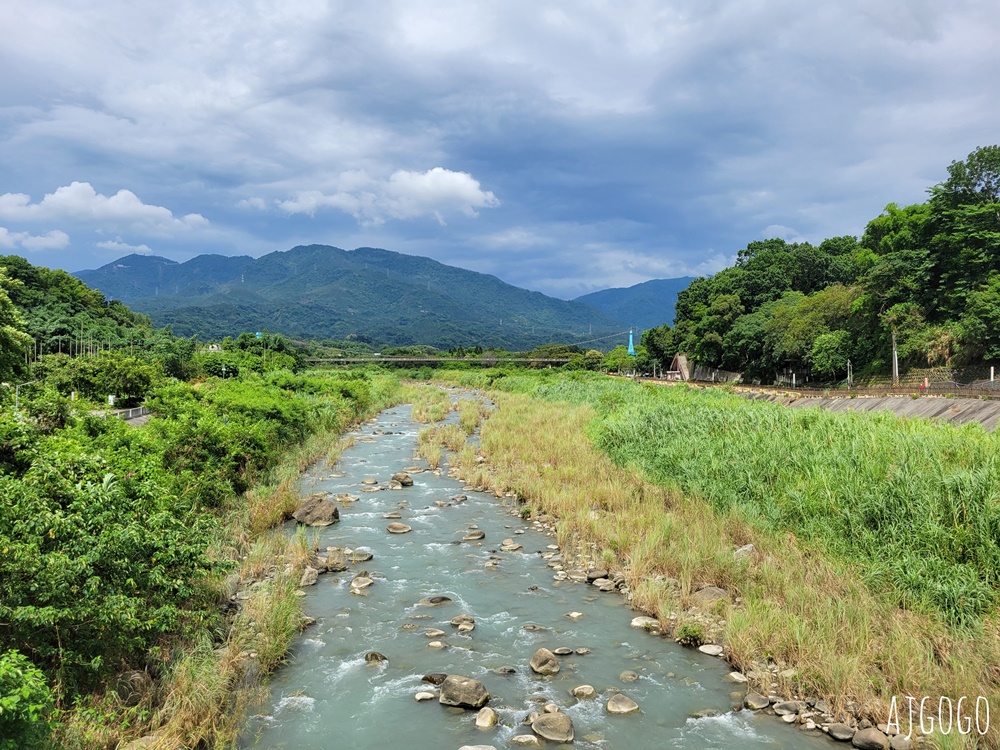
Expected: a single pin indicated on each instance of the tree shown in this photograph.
(965, 214)
(13, 338)
(829, 353)
(619, 360)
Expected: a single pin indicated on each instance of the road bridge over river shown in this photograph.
(482, 361)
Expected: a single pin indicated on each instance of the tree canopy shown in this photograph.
(929, 272)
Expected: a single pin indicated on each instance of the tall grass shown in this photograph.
(806, 601)
(430, 404)
(917, 503)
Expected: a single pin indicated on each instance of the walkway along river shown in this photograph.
(328, 696)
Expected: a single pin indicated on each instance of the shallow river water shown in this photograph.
(328, 697)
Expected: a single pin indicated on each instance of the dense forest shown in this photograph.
(928, 273)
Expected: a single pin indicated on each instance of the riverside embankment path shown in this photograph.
(328, 696)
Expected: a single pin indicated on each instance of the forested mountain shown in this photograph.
(641, 306)
(47, 311)
(62, 314)
(137, 276)
(930, 273)
(367, 294)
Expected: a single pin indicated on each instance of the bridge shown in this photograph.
(487, 361)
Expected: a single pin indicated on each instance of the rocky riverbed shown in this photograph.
(467, 628)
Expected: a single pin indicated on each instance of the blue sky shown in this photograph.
(562, 146)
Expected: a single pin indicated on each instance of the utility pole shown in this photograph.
(895, 362)
(850, 379)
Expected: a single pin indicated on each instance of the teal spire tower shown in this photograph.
(631, 348)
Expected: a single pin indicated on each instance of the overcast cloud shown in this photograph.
(564, 146)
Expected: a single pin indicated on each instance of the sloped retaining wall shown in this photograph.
(954, 410)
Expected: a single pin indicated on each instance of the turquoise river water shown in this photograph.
(328, 697)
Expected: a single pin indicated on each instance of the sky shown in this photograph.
(564, 147)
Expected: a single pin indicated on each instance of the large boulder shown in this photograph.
(463, 692)
(620, 704)
(317, 511)
(870, 739)
(544, 662)
(404, 479)
(486, 718)
(841, 732)
(555, 727)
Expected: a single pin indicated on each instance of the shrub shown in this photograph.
(25, 703)
(690, 634)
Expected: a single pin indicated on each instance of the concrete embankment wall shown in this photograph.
(954, 410)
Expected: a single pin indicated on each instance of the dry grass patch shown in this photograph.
(430, 404)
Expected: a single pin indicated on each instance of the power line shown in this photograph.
(602, 338)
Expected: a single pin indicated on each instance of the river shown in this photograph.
(327, 696)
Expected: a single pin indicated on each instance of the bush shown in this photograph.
(25, 703)
(690, 634)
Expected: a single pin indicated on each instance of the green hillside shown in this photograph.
(322, 292)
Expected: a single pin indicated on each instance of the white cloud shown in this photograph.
(256, 203)
(123, 247)
(79, 201)
(405, 195)
(789, 234)
(54, 240)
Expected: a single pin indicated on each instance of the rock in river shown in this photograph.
(544, 662)
(463, 692)
(557, 727)
(870, 739)
(646, 623)
(309, 577)
(583, 692)
(397, 528)
(621, 704)
(841, 732)
(486, 718)
(317, 511)
(434, 601)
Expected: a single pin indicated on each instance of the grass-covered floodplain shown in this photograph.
(811, 601)
(915, 503)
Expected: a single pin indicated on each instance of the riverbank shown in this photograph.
(469, 590)
(797, 621)
(195, 690)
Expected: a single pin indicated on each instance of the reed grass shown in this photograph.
(470, 414)
(803, 603)
(430, 404)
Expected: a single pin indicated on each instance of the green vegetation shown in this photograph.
(366, 295)
(930, 273)
(110, 534)
(116, 542)
(914, 503)
(25, 703)
(866, 587)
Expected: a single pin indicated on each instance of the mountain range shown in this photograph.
(646, 305)
(367, 294)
